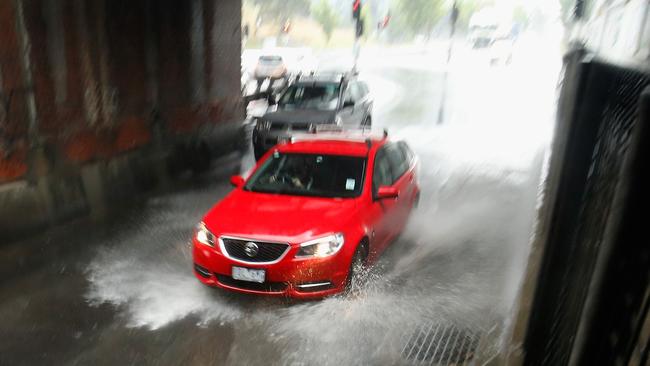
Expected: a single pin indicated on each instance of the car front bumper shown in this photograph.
(290, 277)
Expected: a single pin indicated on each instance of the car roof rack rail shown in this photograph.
(327, 132)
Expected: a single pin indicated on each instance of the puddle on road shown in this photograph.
(458, 263)
(450, 266)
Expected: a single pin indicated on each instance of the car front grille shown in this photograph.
(300, 127)
(266, 252)
(277, 126)
(253, 286)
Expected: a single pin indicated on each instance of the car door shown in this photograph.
(413, 190)
(402, 179)
(363, 100)
(383, 211)
(348, 110)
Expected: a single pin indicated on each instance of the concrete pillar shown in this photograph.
(93, 180)
(39, 167)
(226, 41)
(56, 46)
(197, 47)
(158, 150)
(90, 86)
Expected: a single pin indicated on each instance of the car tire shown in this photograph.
(357, 274)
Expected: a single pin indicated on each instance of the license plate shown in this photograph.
(251, 275)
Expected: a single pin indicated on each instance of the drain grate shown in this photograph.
(440, 344)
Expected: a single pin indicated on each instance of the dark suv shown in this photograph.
(311, 101)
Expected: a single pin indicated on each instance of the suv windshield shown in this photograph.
(309, 175)
(270, 59)
(314, 96)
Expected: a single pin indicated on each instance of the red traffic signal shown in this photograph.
(385, 22)
(356, 9)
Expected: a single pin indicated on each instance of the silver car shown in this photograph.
(310, 102)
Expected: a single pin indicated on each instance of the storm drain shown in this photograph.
(441, 344)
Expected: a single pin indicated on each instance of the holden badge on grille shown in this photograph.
(251, 249)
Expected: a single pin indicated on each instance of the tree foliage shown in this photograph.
(417, 16)
(567, 7)
(323, 13)
(280, 10)
(467, 8)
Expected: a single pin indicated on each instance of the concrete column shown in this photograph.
(90, 87)
(56, 49)
(197, 47)
(38, 164)
(92, 178)
(159, 155)
(108, 95)
(226, 41)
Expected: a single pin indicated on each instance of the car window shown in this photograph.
(398, 163)
(309, 175)
(406, 151)
(348, 95)
(319, 96)
(382, 175)
(357, 91)
(270, 59)
(364, 88)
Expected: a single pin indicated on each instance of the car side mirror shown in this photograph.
(348, 103)
(387, 192)
(237, 181)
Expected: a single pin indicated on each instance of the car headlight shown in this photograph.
(262, 124)
(321, 247)
(204, 236)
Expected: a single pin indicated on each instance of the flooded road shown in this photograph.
(124, 292)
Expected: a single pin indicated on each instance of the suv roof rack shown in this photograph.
(315, 76)
(335, 132)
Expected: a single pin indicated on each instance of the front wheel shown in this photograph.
(358, 271)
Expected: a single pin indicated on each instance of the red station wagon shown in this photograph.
(311, 213)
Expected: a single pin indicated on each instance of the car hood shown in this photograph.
(301, 116)
(276, 217)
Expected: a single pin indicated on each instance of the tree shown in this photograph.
(417, 16)
(279, 11)
(567, 8)
(323, 14)
(467, 9)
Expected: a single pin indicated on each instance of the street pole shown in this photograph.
(443, 98)
(356, 50)
(358, 31)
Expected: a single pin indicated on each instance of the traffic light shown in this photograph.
(356, 9)
(385, 22)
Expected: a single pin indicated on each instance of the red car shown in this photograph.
(311, 213)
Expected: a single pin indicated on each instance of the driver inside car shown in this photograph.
(299, 175)
(303, 174)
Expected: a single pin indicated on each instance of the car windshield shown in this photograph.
(270, 60)
(319, 96)
(309, 175)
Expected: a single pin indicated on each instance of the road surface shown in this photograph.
(124, 293)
